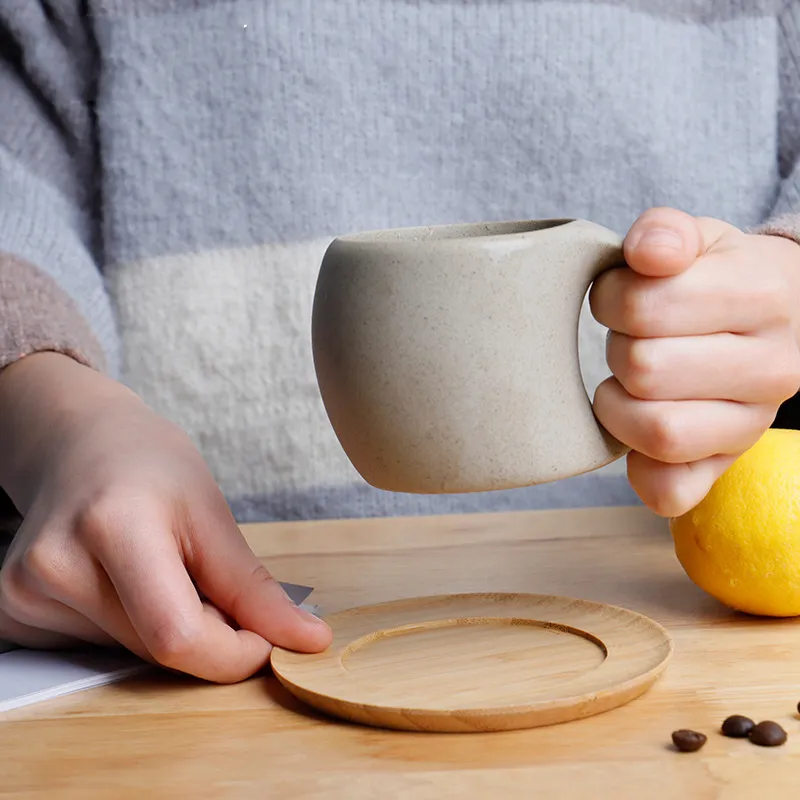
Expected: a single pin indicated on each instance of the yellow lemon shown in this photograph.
(741, 544)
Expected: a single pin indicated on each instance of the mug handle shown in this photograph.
(604, 253)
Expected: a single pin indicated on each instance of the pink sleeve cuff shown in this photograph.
(786, 225)
(37, 315)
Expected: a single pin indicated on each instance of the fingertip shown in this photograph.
(671, 490)
(315, 641)
(662, 242)
(661, 487)
(291, 627)
(608, 393)
(313, 635)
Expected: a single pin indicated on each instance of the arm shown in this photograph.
(51, 291)
(126, 538)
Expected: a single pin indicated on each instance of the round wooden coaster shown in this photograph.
(478, 662)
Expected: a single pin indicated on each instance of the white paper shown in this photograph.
(32, 676)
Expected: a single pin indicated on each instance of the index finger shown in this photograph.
(149, 576)
(234, 579)
(717, 295)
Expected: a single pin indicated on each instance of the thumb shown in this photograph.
(230, 575)
(665, 242)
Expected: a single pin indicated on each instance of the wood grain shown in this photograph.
(168, 736)
(465, 663)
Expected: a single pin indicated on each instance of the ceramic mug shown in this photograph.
(447, 356)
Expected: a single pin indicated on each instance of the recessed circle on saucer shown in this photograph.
(478, 662)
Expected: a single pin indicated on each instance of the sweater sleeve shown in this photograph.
(52, 294)
(784, 219)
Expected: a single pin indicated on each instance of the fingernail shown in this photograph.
(658, 237)
(309, 617)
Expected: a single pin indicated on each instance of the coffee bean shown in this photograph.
(688, 741)
(768, 734)
(737, 726)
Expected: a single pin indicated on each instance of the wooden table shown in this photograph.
(172, 737)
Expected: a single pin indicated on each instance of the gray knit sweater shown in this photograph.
(171, 172)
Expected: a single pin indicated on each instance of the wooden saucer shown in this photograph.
(478, 662)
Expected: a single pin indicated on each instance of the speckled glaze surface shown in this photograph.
(447, 357)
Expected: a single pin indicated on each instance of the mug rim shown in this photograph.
(456, 232)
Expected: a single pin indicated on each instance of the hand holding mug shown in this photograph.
(703, 347)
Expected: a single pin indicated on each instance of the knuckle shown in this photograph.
(663, 440)
(173, 642)
(780, 372)
(99, 514)
(784, 290)
(772, 299)
(260, 575)
(637, 312)
(19, 599)
(13, 591)
(40, 565)
(639, 371)
(258, 578)
(782, 313)
(789, 377)
(109, 512)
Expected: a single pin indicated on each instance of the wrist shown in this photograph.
(43, 397)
